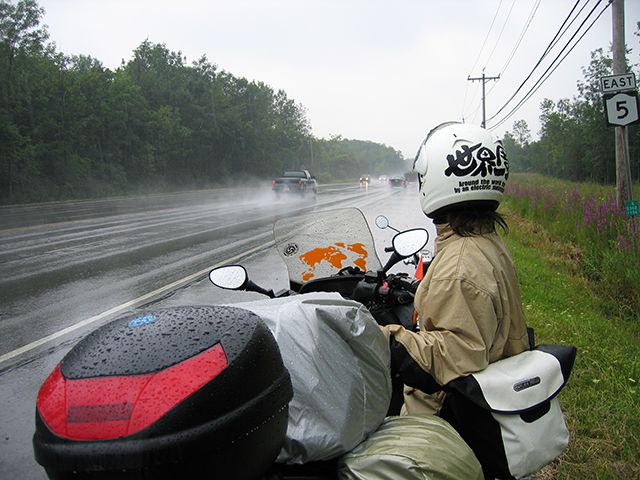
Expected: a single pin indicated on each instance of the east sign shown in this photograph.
(618, 83)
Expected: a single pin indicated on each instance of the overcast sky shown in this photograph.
(379, 70)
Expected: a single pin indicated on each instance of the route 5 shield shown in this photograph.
(621, 108)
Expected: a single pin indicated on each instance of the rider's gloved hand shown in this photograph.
(404, 366)
(384, 315)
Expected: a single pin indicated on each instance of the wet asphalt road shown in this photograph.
(67, 268)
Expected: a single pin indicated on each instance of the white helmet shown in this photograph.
(459, 163)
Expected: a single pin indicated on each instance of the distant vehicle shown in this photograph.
(365, 180)
(383, 179)
(398, 181)
(299, 182)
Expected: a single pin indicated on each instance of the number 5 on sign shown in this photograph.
(621, 108)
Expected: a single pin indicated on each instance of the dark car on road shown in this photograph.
(299, 182)
(398, 181)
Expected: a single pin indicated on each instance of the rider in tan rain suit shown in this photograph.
(469, 305)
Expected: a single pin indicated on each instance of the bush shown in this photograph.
(587, 216)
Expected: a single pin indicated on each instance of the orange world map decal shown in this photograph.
(335, 254)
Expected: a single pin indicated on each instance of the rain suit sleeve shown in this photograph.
(459, 320)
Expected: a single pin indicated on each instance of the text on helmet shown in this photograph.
(478, 160)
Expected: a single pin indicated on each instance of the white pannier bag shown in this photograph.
(509, 414)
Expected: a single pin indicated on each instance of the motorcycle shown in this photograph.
(195, 391)
(332, 252)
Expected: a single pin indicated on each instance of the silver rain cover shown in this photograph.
(338, 359)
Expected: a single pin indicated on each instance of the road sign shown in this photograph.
(621, 108)
(618, 83)
(632, 208)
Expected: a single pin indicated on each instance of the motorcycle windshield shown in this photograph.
(320, 244)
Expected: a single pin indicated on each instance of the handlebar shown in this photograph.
(399, 289)
(389, 299)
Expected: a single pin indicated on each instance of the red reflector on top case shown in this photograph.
(99, 413)
(105, 408)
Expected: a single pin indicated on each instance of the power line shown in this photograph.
(543, 78)
(506, 20)
(546, 75)
(532, 14)
(477, 96)
(495, 15)
(553, 44)
(530, 18)
(539, 60)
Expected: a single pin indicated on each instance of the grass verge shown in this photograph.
(606, 241)
(602, 399)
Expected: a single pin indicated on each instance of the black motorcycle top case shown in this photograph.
(184, 392)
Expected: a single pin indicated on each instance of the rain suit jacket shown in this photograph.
(469, 308)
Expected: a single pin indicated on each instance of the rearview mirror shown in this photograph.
(382, 222)
(410, 242)
(230, 277)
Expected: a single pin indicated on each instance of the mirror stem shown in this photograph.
(252, 287)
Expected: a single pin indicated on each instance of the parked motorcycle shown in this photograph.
(203, 391)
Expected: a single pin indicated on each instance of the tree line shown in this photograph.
(71, 128)
(575, 142)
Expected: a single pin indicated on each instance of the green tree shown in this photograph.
(21, 36)
(521, 133)
(70, 128)
(516, 144)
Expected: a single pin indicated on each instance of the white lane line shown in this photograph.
(132, 303)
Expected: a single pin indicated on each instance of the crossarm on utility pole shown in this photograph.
(484, 80)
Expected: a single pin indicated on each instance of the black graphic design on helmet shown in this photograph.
(459, 163)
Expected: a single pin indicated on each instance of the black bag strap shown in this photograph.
(566, 355)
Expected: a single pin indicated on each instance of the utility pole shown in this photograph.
(623, 169)
(484, 80)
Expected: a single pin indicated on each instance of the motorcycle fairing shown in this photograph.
(320, 244)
